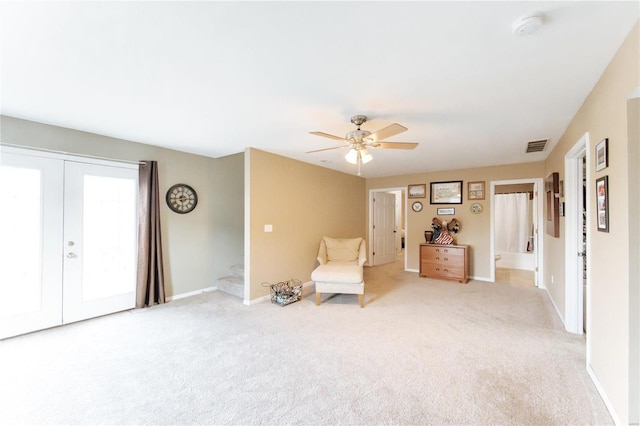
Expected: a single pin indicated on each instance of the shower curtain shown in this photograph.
(512, 222)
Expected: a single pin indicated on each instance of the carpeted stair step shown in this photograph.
(234, 283)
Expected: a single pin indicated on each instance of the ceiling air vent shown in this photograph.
(537, 146)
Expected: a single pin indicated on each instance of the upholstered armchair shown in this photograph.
(341, 267)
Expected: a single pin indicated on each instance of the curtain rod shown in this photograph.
(53, 151)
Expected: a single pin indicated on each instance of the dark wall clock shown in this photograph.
(181, 198)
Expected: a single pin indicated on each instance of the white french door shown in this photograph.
(68, 241)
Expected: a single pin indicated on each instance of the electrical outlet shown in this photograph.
(268, 228)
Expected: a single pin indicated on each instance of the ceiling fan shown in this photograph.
(357, 141)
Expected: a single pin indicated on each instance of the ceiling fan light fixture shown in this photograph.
(365, 156)
(352, 156)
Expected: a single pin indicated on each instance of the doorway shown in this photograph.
(515, 242)
(387, 218)
(531, 246)
(576, 237)
(68, 242)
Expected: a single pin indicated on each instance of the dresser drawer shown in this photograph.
(440, 251)
(434, 270)
(452, 257)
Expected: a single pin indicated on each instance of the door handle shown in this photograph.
(71, 255)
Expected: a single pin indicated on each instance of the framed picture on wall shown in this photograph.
(602, 154)
(602, 200)
(446, 192)
(417, 191)
(476, 190)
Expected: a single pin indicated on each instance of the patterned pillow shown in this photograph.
(342, 249)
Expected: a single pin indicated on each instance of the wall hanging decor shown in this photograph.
(476, 190)
(602, 154)
(446, 192)
(552, 204)
(602, 207)
(417, 191)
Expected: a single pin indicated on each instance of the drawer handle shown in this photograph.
(446, 251)
(446, 259)
(446, 270)
(437, 250)
(437, 258)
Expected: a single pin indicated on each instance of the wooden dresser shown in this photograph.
(445, 262)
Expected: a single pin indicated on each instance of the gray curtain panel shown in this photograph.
(150, 288)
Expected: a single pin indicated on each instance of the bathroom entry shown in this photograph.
(514, 241)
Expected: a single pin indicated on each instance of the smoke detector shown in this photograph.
(528, 24)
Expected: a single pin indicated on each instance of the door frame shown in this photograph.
(539, 214)
(573, 283)
(372, 193)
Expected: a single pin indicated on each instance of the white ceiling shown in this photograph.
(213, 78)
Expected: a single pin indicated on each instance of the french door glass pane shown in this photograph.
(109, 228)
(21, 235)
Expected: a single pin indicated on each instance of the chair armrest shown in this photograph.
(322, 253)
(362, 254)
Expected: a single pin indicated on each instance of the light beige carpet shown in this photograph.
(420, 352)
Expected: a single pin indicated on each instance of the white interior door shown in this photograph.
(68, 241)
(100, 240)
(384, 250)
(30, 244)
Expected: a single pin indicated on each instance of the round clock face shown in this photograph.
(182, 198)
(417, 206)
(476, 208)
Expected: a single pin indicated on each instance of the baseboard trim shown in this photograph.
(191, 293)
(485, 279)
(554, 306)
(603, 395)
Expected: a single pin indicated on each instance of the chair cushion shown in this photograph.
(339, 272)
(342, 249)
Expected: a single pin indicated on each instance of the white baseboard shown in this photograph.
(191, 293)
(417, 271)
(481, 279)
(604, 396)
(554, 306)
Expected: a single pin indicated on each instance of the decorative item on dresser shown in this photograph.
(445, 262)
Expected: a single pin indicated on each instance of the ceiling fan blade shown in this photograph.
(394, 145)
(392, 129)
(327, 149)
(327, 135)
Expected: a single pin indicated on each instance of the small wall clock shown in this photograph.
(181, 198)
(476, 208)
(417, 206)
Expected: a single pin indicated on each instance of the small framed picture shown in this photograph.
(445, 211)
(602, 155)
(446, 192)
(602, 200)
(417, 191)
(476, 190)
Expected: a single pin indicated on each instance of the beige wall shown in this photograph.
(187, 239)
(475, 227)
(303, 203)
(604, 115)
(633, 116)
(227, 204)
